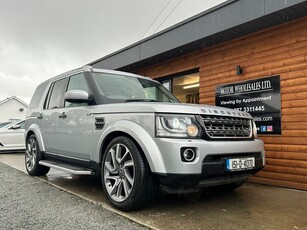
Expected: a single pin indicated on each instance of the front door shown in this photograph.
(15, 136)
(75, 125)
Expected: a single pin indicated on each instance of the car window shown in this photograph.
(46, 104)
(37, 96)
(4, 124)
(125, 88)
(57, 95)
(76, 82)
(22, 124)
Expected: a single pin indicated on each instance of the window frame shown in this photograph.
(50, 91)
(47, 99)
(170, 78)
(67, 85)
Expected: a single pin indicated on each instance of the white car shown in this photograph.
(12, 136)
(2, 124)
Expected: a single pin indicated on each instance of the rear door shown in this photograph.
(49, 117)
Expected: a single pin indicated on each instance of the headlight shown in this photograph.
(171, 125)
(254, 129)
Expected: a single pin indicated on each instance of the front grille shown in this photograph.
(220, 127)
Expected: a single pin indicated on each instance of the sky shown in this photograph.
(40, 39)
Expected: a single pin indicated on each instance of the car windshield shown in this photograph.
(121, 88)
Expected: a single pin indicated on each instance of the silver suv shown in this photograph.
(135, 134)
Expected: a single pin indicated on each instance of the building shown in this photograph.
(237, 44)
(12, 108)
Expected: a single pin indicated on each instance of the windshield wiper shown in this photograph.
(140, 100)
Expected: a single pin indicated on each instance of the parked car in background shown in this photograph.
(2, 124)
(12, 136)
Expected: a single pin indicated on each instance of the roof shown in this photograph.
(87, 68)
(227, 21)
(14, 98)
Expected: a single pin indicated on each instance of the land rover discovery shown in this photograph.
(135, 134)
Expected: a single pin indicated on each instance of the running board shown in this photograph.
(66, 168)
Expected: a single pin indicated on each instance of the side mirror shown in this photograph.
(15, 127)
(77, 96)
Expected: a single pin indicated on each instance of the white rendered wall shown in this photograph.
(10, 110)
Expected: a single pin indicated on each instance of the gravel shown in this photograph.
(29, 203)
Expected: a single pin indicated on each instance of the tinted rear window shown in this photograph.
(37, 96)
(57, 95)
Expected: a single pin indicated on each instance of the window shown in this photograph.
(76, 82)
(56, 99)
(121, 88)
(38, 95)
(167, 84)
(48, 96)
(4, 124)
(22, 125)
(185, 86)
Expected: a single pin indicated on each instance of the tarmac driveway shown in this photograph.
(252, 206)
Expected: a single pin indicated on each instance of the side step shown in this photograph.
(66, 168)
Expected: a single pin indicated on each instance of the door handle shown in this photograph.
(63, 115)
(40, 116)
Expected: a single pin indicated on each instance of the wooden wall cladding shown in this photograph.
(280, 50)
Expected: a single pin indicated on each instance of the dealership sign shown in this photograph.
(259, 97)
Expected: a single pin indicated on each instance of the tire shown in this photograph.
(126, 177)
(32, 157)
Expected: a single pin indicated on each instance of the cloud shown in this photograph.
(40, 39)
(23, 67)
(11, 85)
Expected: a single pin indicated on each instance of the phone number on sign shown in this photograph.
(251, 108)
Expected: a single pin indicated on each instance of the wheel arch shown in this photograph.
(140, 137)
(34, 129)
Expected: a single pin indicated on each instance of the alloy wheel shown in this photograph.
(119, 172)
(31, 154)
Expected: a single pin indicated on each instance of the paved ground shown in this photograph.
(29, 203)
(252, 206)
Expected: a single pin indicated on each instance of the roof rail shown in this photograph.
(87, 68)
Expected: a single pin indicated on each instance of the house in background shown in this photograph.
(12, 108)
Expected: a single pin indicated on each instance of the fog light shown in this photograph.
(188, 154)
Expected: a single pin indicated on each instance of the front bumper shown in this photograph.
(209, 167)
